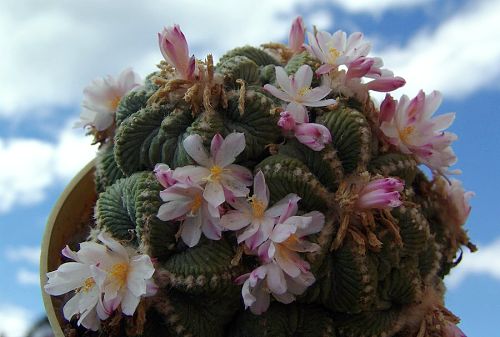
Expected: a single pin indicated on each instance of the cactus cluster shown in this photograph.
(378, 270)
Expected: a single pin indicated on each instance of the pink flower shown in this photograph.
(458, 199)
(164, 175)
(102, 96)
(409, 125)
(186, 202)
(286, 121)
(217, 171)
(297, 35)
(380, 193)
(371, 67)
(315, 136)
(451, 330)
(252, 217)
(335, 50)
(174, 48)
(270, 279)
(296, 89)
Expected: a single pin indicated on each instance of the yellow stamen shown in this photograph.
(334, 53)
(88, 284)
(406, 133)
(258, 207)
(196, 204)
(113, 103)
(304, 91)
(120, 272)
(215, 173)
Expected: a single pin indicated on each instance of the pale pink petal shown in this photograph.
(286, 262)
(173, 210)
(236, 186)
(241, 173)
(260, 189)
(231, 147)
(282, 232)
(275, 279)
(313, 135)
(191, 230)
(286, 121)
(262, 301)
(316, 94)
(248, 232)
(265, 227)
(164, 175)
(191, 174)
(297, 35)
(325, 68)
(284, 82)
(235, 220)
(277, 93)
(193, 144)
(129, 303)
(214, 194)
(284, 208)
(215, 145)
(385, 84)
(314, 226)
(303, 76)
(443, 121)
(298, 112)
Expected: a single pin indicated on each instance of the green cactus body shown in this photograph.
(358, 291)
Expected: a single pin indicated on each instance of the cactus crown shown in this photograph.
(285, 203)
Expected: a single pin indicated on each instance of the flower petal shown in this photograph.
(231, 147)
(193, 145)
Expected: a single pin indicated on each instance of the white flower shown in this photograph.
(337, 49)
(252, 216)
(270, 279)
(296, 89)
(409, 125)
(80, 276)
(123, 277)
(217, 171)
(102, 96)
(186, 200)
(456, 197)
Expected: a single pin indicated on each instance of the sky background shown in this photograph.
(50, 50)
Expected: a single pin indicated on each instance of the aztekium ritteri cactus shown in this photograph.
(266, 195)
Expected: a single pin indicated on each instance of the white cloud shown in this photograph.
(28, 277)
(483, 262)
(458, 58)
(30, 254)
(14, 320)
(378, 6)
(30, 166)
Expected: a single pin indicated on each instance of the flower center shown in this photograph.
(334, 54)
(88, 284)
(215, 173)
(304, 91)
(406, 133)
(113, 103)
(196, 203)
(120, 273)
(258, 207)
(292, 240)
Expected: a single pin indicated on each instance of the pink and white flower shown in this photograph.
(174, 48)
(217, 171)
(381, 193)
(102, 96)
(409, 125)
(313, 135)
(458, 200)
(287, 240)
(297, 36)
(270, 279)
(186, 202)
(383, 80)
(123, 277)
(296, 89)
(252, 217)
(164, 174)
(337, 49)
(80, 276)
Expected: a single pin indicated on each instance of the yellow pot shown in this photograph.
(68, 224)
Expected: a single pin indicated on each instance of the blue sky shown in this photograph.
(51, 50)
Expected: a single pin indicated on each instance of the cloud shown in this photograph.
(14, 320)
(30, 254)
(30, 166)
(458, 58)
(378, 6)
(28, 277)
(483, 262)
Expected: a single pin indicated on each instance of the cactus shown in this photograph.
(378, 271)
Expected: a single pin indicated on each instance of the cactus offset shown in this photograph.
(378, 271)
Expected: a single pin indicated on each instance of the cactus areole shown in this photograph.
(265, 195)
